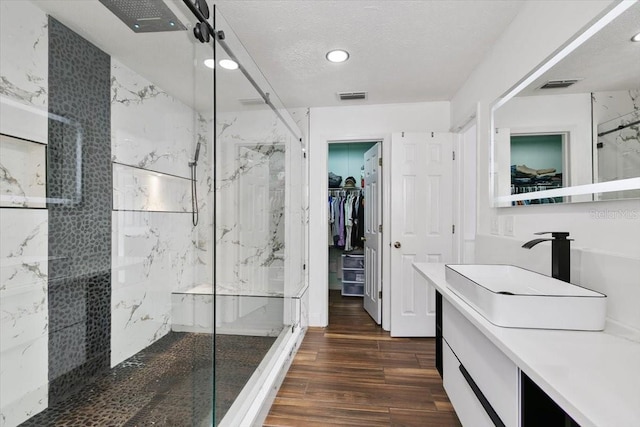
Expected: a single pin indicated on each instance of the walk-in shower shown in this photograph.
(152, 226)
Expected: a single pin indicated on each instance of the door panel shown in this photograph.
(421, 225)
(373, 237)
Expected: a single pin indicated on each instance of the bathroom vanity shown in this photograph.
(507, 376)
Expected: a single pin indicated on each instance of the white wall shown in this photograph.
(606, 253)
(371, 122)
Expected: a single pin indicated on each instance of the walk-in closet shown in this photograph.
(346, 216)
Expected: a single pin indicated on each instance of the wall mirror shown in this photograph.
(570, 131)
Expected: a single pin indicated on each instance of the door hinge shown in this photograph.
(379, 294)
(304, 266)
(380, 228)
(379, 161)
(403, 134)
(304, 155)
(454, 155)
(433, 135)
(453, 229)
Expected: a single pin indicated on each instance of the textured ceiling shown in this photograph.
(608, 61)
(401, 51)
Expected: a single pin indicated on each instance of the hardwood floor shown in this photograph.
(353, 373)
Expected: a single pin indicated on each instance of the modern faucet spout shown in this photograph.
(532, 243)
(560, 253)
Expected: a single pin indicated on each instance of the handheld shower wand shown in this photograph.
(194, 190)
(195, 156)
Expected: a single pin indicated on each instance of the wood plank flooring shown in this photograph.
(353, 373)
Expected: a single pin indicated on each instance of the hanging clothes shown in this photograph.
(346, 218)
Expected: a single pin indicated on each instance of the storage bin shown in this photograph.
(352, 289)
(352, 261)
(353, 275)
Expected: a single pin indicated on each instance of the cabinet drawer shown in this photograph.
(493, 372)
(353, 276)
(468, 408)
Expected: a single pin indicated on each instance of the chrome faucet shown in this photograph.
(560, 255)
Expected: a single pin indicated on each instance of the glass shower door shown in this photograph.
(259, 232)
(104, 310)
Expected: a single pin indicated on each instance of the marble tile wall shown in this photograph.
(23, 314)
(251, 179)
(156, 248)
(152, 256)
(22, 173)
(618, 157)
(24, 271)
(23, 71)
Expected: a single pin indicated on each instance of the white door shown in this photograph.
(421, 225)
(372, 234)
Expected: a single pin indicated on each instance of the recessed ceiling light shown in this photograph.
(228, 64)
(210, 63)
(636, 38)
(337, 55)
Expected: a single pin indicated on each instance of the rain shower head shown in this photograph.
(144, 16)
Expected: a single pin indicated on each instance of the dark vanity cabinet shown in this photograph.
(538, 409)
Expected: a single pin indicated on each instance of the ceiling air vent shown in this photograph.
(348, 96)
(559, 84)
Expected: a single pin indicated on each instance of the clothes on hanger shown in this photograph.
(346, 218)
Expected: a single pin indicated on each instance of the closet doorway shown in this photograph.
(355, 222)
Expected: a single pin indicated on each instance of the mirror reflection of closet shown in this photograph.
(346, 159)
(538, 162)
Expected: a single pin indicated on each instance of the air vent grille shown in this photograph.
(559, 84)
(348, 96)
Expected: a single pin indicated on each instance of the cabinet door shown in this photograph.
(468, 408)
(494, 373)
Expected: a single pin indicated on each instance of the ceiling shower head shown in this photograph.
(144, 16)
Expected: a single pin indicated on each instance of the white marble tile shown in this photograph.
(22, 173)
(251, 194)
(150, 128)
(192, 313)
(23, 313)
(242, 315)
(144, 190)
(23, 71)
(153, 255)
(618, 153)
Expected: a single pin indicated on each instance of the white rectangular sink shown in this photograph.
(513, 297)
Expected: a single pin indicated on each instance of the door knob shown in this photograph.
(397, 245)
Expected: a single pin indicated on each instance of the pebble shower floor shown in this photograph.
(170, 383)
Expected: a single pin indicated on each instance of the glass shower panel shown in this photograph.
(259, 228)
(106, 272)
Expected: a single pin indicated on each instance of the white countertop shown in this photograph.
(593, 376)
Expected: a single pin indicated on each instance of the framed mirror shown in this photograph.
(570, 131)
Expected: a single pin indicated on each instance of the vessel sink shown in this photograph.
(514, 297)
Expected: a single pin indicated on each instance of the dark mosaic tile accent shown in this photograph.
(170, 383)
(80, 230)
